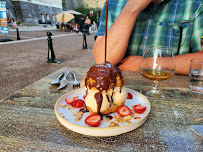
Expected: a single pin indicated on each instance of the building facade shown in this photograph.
(71, 4)
(45, 11)
(34, 11)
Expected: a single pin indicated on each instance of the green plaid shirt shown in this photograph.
(174, 23)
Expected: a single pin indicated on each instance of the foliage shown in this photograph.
(86, 12)
(63, 4)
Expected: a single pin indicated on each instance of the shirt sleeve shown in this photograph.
(101, 30)
(197, 30)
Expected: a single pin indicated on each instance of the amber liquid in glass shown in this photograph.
(156, 75)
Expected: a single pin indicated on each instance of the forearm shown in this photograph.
(183, 62)
(118, 36)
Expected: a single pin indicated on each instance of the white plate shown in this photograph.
(66, 118)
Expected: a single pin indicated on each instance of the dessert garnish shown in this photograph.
(93, 120)
(124, 111)
(139, 108)
(79, 103)
(70, 100)
(129, 96)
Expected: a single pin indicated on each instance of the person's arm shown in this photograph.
(182, 62)
(119, 33)
(130, 63)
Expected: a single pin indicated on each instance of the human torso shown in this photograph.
(169, 23)
(88, 21)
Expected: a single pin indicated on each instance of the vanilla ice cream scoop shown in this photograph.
(119, 95)
(97, 102)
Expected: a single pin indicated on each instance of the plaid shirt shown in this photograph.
(174, 23)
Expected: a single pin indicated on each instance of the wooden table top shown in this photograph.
(28, 121)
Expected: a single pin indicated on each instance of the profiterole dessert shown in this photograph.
(105, 90)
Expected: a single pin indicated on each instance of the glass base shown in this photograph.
(196, 125)
(196, 89)
(154, 93)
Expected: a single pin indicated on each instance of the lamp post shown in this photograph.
(97, 1)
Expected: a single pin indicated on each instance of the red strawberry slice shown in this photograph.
(124, 111)
(130, 96)
(139, 108)
(70, 100)
(93, 120)
(79, 103)
(84, 96)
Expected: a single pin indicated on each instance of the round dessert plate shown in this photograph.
(110, 126)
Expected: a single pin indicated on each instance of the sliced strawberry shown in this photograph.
(130, 96)
(79, 103)
(93, 120)
(124, 111)
(70, 100)
(84, 96)
(139, 108)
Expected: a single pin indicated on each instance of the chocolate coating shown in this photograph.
(102, 76)
(98, 97)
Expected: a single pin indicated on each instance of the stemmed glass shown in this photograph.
(157, 64)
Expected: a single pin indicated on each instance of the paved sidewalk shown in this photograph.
(24, 62)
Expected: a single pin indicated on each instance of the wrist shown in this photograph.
(138, 5)
(133, 9)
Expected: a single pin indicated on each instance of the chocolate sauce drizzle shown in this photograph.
(106, 28)
(109, 116)
(84, 110)
(98, 97)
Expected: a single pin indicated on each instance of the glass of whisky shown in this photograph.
(157, 65)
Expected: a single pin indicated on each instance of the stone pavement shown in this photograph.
(24, 62)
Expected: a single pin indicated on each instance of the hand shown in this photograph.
(140, 4)
(131, 63)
